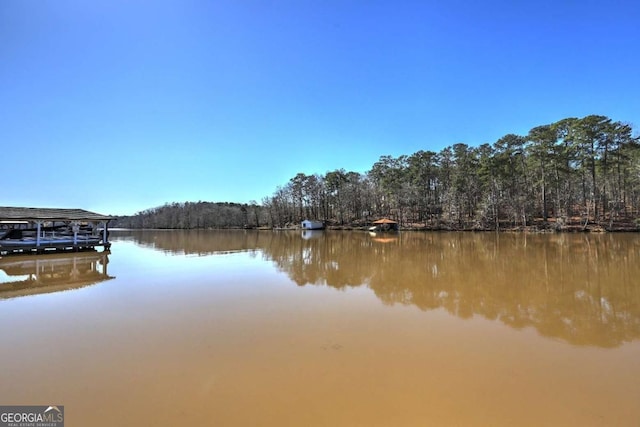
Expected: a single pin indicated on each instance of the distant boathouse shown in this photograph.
(39, 230)
(311, 224)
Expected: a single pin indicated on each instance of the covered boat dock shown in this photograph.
(27, 230)
(384, 224)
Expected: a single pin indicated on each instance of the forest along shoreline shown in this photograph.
(577, 174)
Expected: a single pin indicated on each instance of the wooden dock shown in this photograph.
(43, 230)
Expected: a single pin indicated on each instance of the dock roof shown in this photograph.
(49, 214)
(385, 221)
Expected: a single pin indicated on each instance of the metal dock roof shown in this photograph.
(49, 214)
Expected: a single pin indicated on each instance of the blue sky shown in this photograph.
(117, 106)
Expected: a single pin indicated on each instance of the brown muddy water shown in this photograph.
(261, 328)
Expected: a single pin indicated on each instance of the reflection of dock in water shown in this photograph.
(384, 238)
(35, 274)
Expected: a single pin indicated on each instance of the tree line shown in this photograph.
(574, 173)
(194, 215)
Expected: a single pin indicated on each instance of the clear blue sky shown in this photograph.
(117, 106)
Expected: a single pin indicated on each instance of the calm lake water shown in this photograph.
(248, 328)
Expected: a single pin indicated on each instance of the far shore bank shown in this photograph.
(549, 227)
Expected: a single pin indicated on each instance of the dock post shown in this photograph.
(105, 236)
(38, 223)
(75, 226)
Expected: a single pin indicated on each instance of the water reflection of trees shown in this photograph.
(581, 288)
(195, 242)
